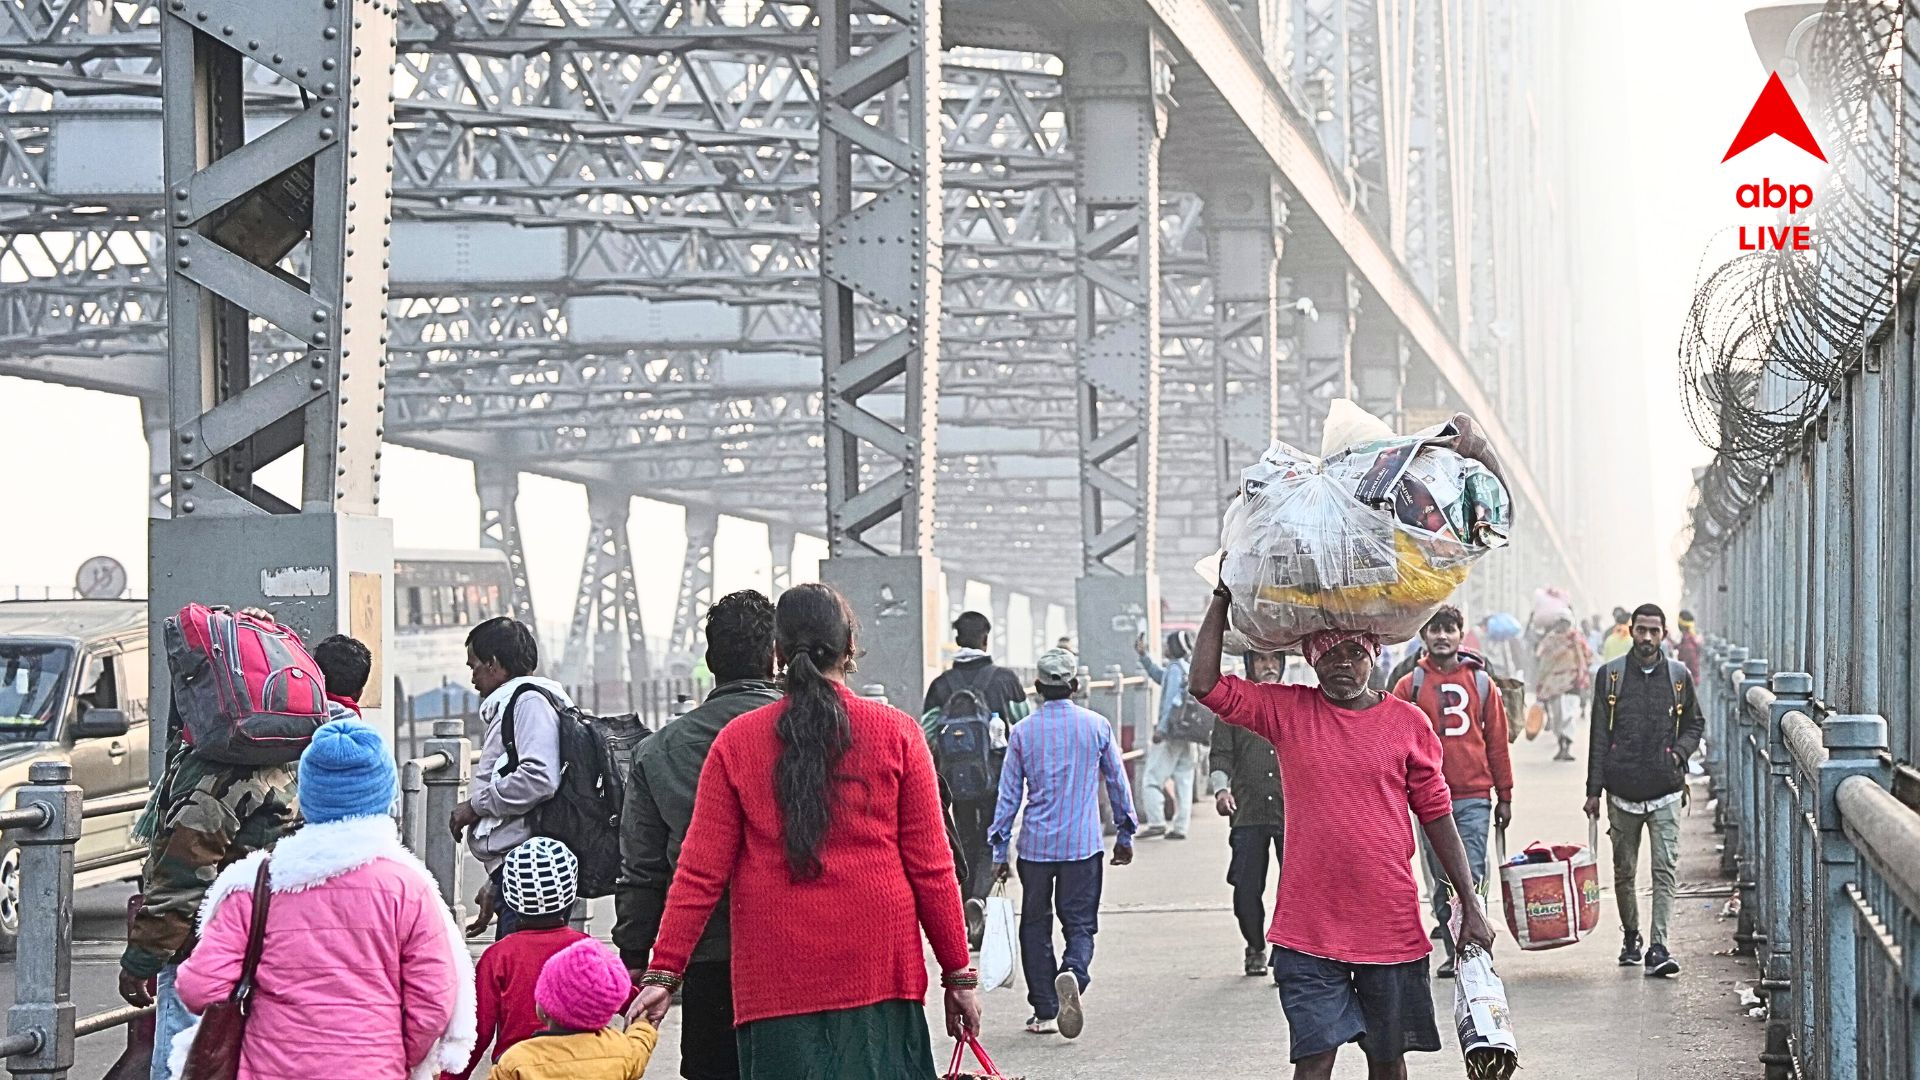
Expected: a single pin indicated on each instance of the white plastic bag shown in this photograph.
(1481, 1018)
(1000, 943)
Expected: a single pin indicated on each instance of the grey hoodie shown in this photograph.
(504, 801)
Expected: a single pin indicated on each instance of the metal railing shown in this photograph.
(1827, 863)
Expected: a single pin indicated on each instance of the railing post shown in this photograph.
(1716, 755)
(445, 788)
(1792, 692)
(1728, 727)
(42, 963)
(1749, 764)
(1854, 745)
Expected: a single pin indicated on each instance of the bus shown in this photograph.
(438, 596)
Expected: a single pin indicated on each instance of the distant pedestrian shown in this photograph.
(507, 788)
(1620, 638)
(819, 818)
(580, 990)
(1170, 757)
(1453, 688)
(538, 882)
(1688, 647)
(1562, 672)
(1350, 956)
(346, 664)
(661, 793)
(1646, 724)
(1245, 779)
(974, 687)
(1057, 763)
(363, 971)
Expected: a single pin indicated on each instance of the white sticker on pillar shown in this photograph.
(297, 581)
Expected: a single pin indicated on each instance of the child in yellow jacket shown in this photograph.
(580, 990)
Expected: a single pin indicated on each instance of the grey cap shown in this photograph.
(1056, 667)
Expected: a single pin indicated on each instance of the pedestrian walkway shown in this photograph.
(1168, 1000)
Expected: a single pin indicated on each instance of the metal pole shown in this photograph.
(445, 788)
(1793, 692)
(1854, 745)
(42, 962)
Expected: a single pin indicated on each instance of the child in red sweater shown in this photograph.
(538, 881)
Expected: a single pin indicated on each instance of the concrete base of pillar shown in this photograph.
(321, 574)
(897, 600)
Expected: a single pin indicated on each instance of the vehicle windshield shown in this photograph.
(32, 684)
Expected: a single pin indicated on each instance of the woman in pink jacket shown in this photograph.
(363, 972)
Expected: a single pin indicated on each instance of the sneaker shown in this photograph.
(1629, 948)
(976, 922)
(1445, 970)
(1072, 1017)
(1150, 832)
(1659, 963)
(1037, 1026)
(1171, 835)
(1256, 960)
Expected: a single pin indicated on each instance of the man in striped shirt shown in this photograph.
(1057, 760)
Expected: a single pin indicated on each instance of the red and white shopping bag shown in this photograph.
(1552, 893)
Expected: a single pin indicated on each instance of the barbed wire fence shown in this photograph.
(1770, 334)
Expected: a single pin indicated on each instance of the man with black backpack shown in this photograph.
(969, 709)
(1453, 688)
(506, 790)
(1646, 724)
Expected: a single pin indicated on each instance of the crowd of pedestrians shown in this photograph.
(756, 821)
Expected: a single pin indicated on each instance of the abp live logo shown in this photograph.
(1774, 113)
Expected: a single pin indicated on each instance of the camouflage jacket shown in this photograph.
(210, 815)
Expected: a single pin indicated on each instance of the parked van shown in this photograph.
(73, 687)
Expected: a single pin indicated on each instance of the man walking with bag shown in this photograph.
(1183, 729)
(1057, 761)
(1455, 691)
(1646, 724)
(1245, 778)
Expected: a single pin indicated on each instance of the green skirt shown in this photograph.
(887, 1041)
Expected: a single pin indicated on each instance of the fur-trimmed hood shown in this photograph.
(316, 854)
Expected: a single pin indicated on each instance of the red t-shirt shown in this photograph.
(1346, 878)
(1473, 733)
(504, 978)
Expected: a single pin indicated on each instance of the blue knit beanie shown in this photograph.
(347, 772)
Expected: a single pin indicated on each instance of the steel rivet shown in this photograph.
(326, 134)
(301, 72)
(320, 338)
(183, 262)
(180, 193)
(187, 483)
(318, 384)
(186, 437)
(327, 64)
(328, 88)
(318, 362)
(326, 112)
(186, 507)
(200, 16)
(226, 31)
(330, 33)
(319, 315)
(187, 459)
(279, 58)
(254, 45)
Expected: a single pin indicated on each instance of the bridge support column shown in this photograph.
(1244, 214)
(1380, 355)
(696, 579)
(607, 641)
(1117, 82)
(1001, 609)
(880, 263)
(321, 560)
(498, 484)
(153, 421)
(1324, 338)
(780, 548)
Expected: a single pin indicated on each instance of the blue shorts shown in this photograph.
(1386, 1008)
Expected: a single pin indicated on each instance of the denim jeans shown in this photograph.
(1474, 819)
(170, 1018)
(1072, 889)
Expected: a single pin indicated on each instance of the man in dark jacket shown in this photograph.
(1244, 776)
(659, 806)
(1646, 724)
(1000, 693)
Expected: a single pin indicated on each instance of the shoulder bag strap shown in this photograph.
(256, 938)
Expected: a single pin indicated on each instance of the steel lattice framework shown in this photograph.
(1055, 298)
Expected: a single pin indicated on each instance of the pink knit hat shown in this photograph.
(583, 986)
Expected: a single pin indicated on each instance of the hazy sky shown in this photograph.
(1665, 85)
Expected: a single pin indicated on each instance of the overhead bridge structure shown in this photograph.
(1009, 289)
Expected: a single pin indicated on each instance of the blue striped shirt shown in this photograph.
(1060, 755)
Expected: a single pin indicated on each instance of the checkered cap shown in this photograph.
(540, 877)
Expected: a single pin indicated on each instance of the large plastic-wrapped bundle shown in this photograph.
(1550, 605)
(1373, 538)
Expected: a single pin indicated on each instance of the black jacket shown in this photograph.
(1645, 727)
(654, 819)
(1246, 763)
(999, 688)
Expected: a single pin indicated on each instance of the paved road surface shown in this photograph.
(1169, 1002)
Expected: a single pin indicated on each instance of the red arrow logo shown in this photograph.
(1774, 113)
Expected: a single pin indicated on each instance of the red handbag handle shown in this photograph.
(967, 1042)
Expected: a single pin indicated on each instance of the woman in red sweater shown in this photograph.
(819, 818)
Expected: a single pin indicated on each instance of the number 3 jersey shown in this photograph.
(1465, 710)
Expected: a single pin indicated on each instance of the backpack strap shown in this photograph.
(512, 749)
(1482, 685)
(1615, 669)
(1419, 680)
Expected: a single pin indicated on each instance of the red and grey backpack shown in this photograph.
(245, 691)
